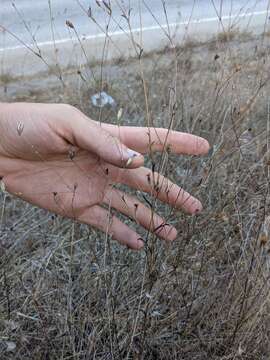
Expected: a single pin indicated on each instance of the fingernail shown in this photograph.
(198, 210)
(140, 243)
(170, 234)
(197, 207)
(131, 154)
(167, 232)
(173, 234)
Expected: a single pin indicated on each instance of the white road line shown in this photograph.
(143, 29)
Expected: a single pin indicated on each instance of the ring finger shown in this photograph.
(131, 207)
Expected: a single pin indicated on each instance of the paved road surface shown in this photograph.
(26, 19)
(32, 17)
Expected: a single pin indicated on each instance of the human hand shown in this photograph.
(54, 156)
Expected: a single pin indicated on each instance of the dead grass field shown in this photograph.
(68, 292)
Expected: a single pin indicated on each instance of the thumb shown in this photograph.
(90, 136)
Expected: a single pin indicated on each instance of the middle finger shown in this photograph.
(162, 188)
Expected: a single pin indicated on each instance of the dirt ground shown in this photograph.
(68, 293)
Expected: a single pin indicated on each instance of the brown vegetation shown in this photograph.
(69, 292)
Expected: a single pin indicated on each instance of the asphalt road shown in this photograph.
(28, 19)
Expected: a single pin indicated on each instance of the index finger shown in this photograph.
(143, 139)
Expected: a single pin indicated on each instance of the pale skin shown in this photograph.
(55, 157)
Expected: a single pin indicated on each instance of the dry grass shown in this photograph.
(68, 292)
(233, 34)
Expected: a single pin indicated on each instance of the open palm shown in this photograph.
(55, 157)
